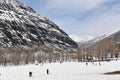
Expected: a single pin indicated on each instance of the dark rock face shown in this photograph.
(21, 25)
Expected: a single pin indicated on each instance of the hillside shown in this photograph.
(26, 36)
(21, 25)
(107, 48)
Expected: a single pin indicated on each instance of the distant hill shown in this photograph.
(105, 49)
(91, 41)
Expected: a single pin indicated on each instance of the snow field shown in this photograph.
(63, 71)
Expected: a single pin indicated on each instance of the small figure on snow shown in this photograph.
(60, 61)
(41, 63)
(30, 74)
(47, 71)
(99, 63)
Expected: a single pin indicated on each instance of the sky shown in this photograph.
(80, 17)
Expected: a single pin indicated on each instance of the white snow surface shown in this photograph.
(63, 71)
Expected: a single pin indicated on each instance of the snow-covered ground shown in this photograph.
(63, 71)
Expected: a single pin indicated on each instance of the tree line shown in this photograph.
(103, 50)
(42, 54)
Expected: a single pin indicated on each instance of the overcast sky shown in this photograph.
(80, 17)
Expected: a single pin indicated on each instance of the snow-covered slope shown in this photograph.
(64, 71)
(91, 41)
(81, 38)
(21, 25)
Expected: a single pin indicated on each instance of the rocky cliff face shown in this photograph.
(21, 25)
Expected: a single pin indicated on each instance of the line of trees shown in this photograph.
(102, 50)
(22, 55)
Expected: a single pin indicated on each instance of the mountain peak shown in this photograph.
(81, 38)
(21, 25)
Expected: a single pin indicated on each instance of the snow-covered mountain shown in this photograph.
(81, 38)
(87, 40)
(21, 25)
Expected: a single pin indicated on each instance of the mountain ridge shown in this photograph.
(21, 25)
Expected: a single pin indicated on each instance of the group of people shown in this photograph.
(94, 63)
(30, 73)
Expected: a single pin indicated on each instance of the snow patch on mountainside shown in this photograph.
(81, 38)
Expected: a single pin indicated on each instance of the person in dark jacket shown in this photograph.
(30, 74)
(47, 71)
